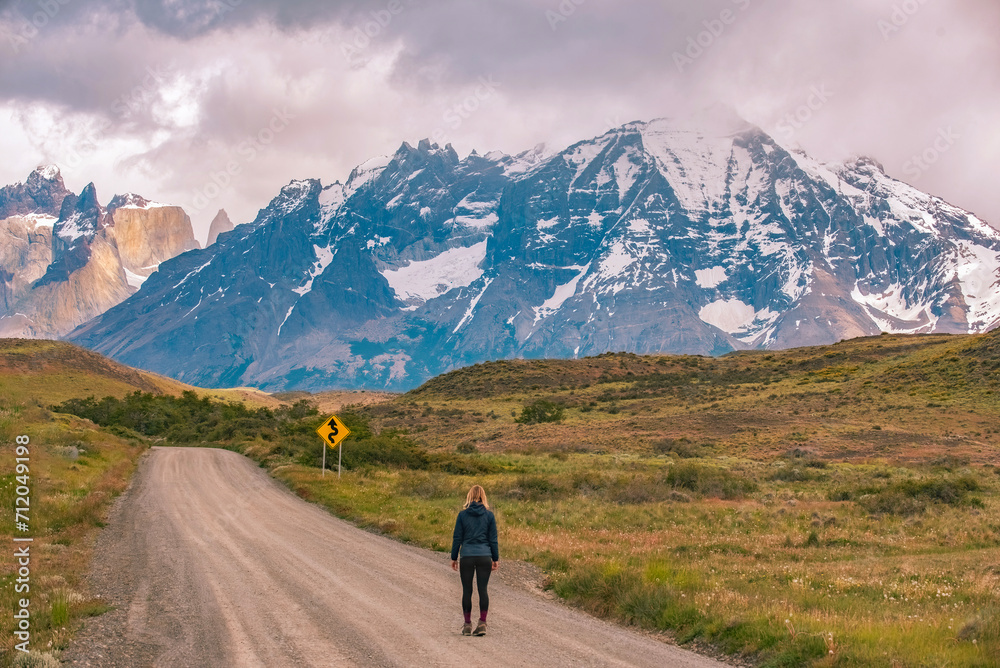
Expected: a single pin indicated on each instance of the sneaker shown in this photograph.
(467, 629)
(480, 629)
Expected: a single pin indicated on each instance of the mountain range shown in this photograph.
(65, 258)
(697, 236)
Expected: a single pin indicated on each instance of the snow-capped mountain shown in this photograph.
(698, 236)
(65, 258)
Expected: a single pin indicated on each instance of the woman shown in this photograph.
(476, 538)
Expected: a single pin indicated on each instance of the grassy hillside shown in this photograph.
(75, 471)
(834, 505)
(828, 506)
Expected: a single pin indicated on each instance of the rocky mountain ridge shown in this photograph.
(697, 236)
(66, 259)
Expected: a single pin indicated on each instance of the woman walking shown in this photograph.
(476, 538)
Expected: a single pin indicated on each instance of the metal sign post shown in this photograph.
(333, 432)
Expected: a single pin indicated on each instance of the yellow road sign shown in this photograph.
(333, 431)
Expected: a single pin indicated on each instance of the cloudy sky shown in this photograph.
(218, 103)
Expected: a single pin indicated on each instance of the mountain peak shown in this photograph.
(46, 173)
(130, 201)
(42, 192)
(220, 225)
(718, 120)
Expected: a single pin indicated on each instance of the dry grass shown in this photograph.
(76, 471)
(826, 436)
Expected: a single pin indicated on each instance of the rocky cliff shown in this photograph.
(148, 233)
(220, 225)
(58, 271)
(25, 254)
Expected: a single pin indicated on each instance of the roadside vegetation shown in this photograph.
(829, 506)
(76, 470)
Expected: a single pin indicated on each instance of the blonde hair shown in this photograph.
(476, 495)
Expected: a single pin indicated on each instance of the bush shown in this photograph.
(539, 411)
(681, 447)
(795, 474)
(709, 481)
(911, 497)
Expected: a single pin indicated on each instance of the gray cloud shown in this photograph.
(169, 94)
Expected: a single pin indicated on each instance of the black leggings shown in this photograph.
(481, 567)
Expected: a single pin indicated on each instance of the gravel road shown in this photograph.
(210, 562)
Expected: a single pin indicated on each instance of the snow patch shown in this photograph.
(37, 220)
(195, 271)
(894, 304)
(473, 214)
(472, 306)
(626, 173)
(135, 280)
(290, 309)
(710, 278)
(48, 172)
(640, 226)
(561, 294)
(729, 315)
(615, 262)
(324, 256)
(424, 280)
(978, 270)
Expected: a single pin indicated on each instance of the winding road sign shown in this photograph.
(333, 431)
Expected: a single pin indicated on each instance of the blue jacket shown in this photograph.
(475, 533)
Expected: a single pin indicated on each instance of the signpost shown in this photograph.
(333, 431)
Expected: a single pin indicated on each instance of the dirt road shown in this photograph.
(210, 562)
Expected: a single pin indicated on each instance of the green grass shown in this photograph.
(877, 590)
(828, 506)
(76, 471)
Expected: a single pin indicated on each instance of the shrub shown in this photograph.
(911, 497)
(539, 411)
(681, 447)
(795, 474)
(709, 481)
